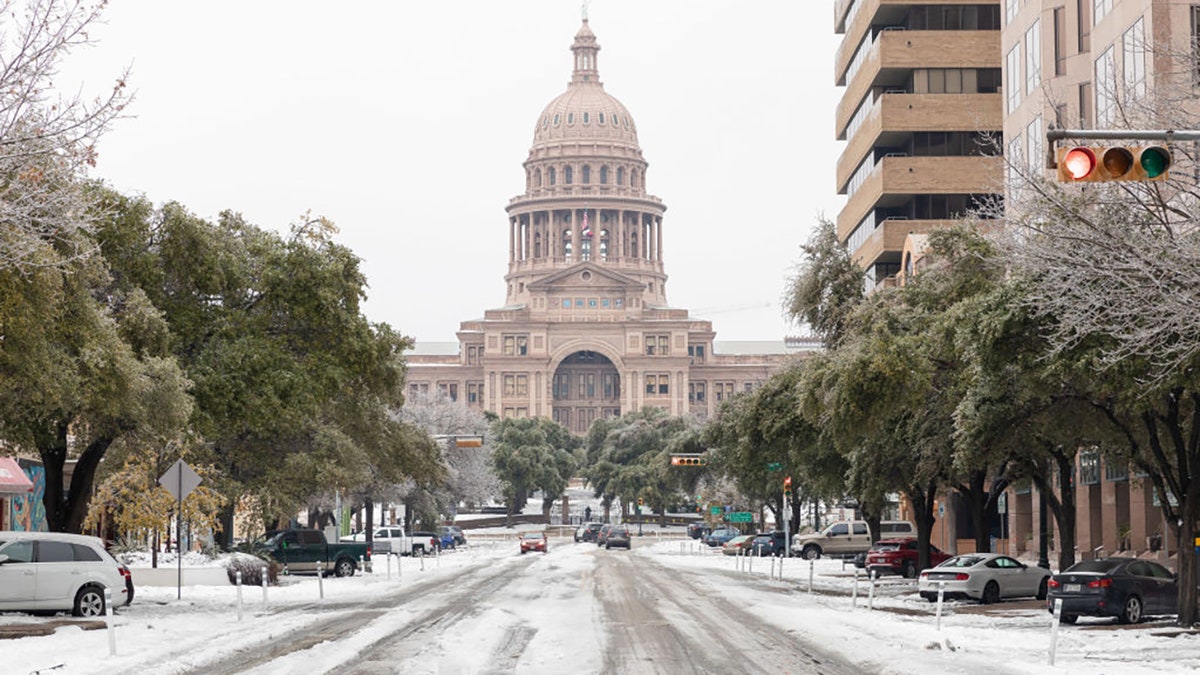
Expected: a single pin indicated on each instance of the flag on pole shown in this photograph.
(587, 229)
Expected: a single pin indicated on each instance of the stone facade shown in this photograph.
(586, 330)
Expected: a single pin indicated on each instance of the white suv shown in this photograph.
(54, 571)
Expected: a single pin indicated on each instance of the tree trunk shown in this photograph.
(922, 498)
(225, 519)
(1064, 509)
(369, 507)
(83, 479)
(977, 499)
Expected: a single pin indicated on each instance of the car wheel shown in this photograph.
(910, 570)
(1041, 594)
(991, 593)
(89, 602)
(931, 597)
(607, 547)
(1133, 610)
(811, 552)
(344, 567)
(1067, 618)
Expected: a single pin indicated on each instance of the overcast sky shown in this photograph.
(406, 123)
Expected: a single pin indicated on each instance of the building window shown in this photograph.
(474, 392)
(696, 352)
(723, 391)
(1011, 7)
(657, 345)
(620, 175)
(553, 173)
(566, 238)
(1037, 145)
(568, 175)
(611, 385)
(1033, 58)
(658, 385)
(1060, 41)
(604, 174)
(418, 389)
(1089, 467)
(473, 355)
(696, 392)
(1106, 89)
(1116, 471)
(1012, 87)
(516, 345)
(1100, 9)
(522, 385)
(562, 386)
(510, 385)
(1133, 57)
(1196, 43)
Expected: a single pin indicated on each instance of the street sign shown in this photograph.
(775, 466)
(180, 480)
(1002, 502)
(741, 517)
(714, 510)
(941, 510)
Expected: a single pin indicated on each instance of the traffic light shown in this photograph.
(787, 487)
(687, 460)
(1083, 164)
(640, 501)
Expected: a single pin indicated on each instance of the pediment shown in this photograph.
(586, 275)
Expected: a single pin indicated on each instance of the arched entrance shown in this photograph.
(586, 387)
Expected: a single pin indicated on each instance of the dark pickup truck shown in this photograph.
(300, 550)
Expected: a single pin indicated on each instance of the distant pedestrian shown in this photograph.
(587, 514)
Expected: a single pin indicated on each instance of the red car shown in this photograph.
(899, 556)
(533, 541)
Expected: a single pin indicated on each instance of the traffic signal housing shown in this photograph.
(688, 460)
(1087, 164)
(787, 486)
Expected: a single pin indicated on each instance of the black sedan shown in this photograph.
(1127, 588)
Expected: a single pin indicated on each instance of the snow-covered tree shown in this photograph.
(471, 477)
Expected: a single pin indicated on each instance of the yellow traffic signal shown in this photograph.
(640, 502)
(1083, 164)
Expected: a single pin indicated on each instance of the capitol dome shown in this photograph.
(585, 112)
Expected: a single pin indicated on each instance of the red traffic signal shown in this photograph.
(787, 485)
(1081, 164)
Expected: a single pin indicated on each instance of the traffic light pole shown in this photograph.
(1166, 135)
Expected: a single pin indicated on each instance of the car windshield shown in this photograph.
(963, 561)
(889, 546)
(1094, 566)
(532, 536)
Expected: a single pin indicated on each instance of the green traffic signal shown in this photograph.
(1155, 161)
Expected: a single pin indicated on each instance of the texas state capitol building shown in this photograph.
(586, 330)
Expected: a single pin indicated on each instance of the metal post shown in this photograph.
(238, 581)
(108, 622)
(1055, 618)
(265, 582)
(320, 580)
(941, 596)
(854, 590)
(871, 592)
(810, 576)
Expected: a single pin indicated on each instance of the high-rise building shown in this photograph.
(586, 330)
(921, 115)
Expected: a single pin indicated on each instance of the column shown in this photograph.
(658, 240)
(512, 241)
(576, 219)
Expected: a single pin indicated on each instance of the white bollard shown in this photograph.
(399, 567)
(387, 563)
(1055, 619)
(320, 580)
(772, 568)
(749, 563)
(108, 622)
(941, 597)
(871, 592)
(266, 581)
(238, 580)
(854, 590)
(810, 576)
(422, 560)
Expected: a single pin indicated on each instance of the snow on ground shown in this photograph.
(162, 634)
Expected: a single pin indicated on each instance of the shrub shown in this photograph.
(251, 568)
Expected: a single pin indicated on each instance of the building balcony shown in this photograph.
(899, 177)
(888, 239)
(895, 54)
(897, 115)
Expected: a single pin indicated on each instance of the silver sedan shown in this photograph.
(986, 577)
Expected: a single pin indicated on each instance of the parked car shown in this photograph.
(619, 537)
(1127, 588)
(52, 571)
(385, 539)
(986, 577)
(446, 538)
(769, 543)
(900, 556)
(739, 545)
(460, 539)
(602, 534)
(719, 536)
(306, 550)
(534, 541)
(698, 530)
(589, 531)
(847, 538)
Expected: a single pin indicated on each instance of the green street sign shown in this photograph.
(741, 517)
(714, 510)
(775, 466)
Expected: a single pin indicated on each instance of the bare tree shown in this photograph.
(47, 139)
(472, 478)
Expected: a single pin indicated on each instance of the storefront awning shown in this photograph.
(12, 479)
